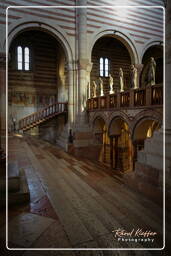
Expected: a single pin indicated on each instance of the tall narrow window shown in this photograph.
(104, 67)
(26, 58)
(101, 66)
(23, 58)
(19, 58)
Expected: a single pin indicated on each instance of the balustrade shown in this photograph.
(139, 97)
(125, 99)
(149, 96)
(157, 95)
(42, 115)
(113, 101)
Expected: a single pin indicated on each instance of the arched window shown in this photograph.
(26, 59)
(19, 58)
(104, 67)
(23, 58)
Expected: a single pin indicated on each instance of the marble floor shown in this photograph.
(75, 203)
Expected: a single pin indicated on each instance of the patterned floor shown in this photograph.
(76, 203)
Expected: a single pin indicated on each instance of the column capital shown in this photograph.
(85, 64)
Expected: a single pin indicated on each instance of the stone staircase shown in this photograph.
(42, 115)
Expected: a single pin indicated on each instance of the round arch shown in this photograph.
(97, 124)
(117, 128)
(99, 131)
(146, 116)
(96, 116)
(26, 24)
(153, 49)
(121, 145)
(122, 37)
(149, 44)
(120, 115)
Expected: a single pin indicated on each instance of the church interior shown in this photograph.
(85, 127)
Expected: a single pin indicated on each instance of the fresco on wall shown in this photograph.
(30, 100)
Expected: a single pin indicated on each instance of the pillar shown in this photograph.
(82, 132)
(71, 94)
(2, 100)
(82, 53)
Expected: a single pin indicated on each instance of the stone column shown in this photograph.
(82, 55)
(82, 133)
(2, 100)
(64, 139)
(89, 68)
(71, 94)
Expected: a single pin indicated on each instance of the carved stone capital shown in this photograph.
(85, 64)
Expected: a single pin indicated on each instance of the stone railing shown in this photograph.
(42, 115)
(149, 96)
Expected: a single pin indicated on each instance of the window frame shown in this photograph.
(25, 59)
(102, 66)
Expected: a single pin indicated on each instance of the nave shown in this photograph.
(74, 203)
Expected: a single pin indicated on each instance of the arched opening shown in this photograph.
(155, 51)
(101, 140)
(121, 152)
(109, 54)
(142, 131)
(37, 73)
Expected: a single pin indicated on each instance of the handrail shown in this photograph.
(43, 114)
(141, 97)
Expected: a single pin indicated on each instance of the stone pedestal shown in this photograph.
(82, 132)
